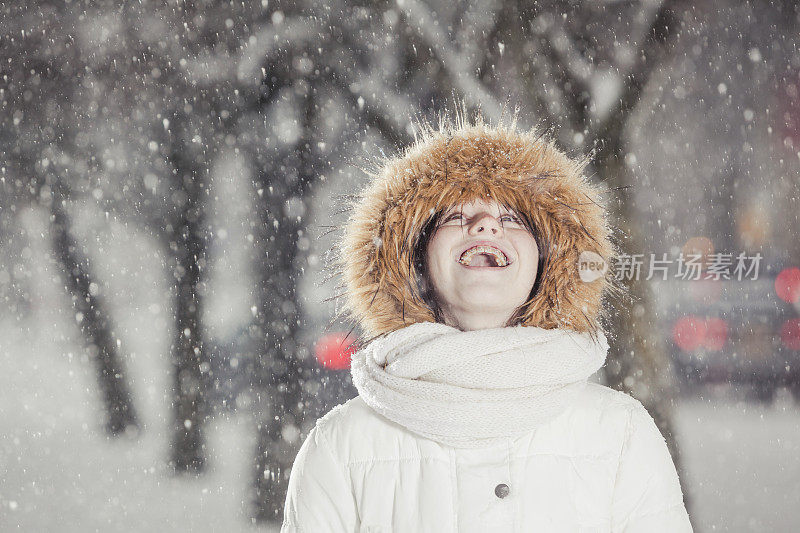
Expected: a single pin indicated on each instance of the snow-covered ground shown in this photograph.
(742, 461)
(59, 473)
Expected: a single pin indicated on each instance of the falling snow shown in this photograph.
(175, 174)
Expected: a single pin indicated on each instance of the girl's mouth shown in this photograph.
(483, 257)
(483, 262)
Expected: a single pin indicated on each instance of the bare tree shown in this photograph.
(43, 74)
(188, 257)
(92, 317)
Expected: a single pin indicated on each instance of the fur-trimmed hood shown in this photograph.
(461, 162)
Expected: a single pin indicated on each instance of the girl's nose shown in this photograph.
(485, 224)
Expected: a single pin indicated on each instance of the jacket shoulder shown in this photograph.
(357, 432)
(604, 398)
(351, 415)
(594, 425)
(611, 402)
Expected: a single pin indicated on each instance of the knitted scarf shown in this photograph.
(470, 389)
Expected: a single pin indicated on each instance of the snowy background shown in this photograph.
(122, 124)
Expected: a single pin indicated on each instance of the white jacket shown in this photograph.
(600, 466)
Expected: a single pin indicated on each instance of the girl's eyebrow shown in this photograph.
(503, 211)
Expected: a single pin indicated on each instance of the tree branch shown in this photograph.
(655, 49)
(457, 66)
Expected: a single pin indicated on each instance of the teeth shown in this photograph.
(500, 257)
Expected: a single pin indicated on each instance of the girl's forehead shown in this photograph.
(490, 204)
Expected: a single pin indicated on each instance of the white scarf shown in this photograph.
(470, 389)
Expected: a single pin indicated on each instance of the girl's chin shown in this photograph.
(487, 301)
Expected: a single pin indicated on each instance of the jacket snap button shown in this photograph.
(501, 490)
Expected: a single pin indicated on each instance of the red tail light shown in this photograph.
(688, 332)
(790, 334)
(787, 285)
(691, 332)
(333, 351)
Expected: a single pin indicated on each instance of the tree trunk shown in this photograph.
(189, 360)
(93, 320)
(276, 384)
(638, 362)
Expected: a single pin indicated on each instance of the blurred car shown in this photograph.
(746, 332)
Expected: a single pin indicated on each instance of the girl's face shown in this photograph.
(482, 262)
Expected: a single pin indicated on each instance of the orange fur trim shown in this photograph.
(457, 163)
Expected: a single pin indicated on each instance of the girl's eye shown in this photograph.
(507, 217)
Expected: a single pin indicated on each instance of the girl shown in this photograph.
(475, 413)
